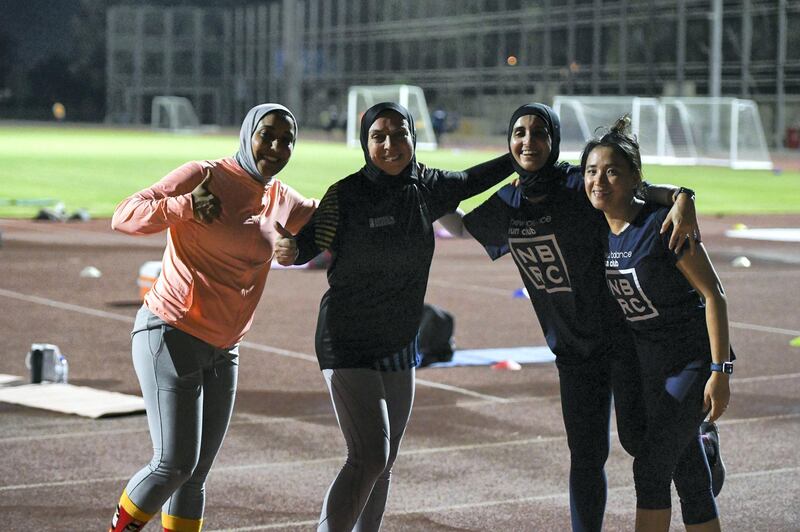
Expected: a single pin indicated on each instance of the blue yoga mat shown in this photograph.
(487, 357)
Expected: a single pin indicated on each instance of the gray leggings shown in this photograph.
(188, 388)
(372, 408)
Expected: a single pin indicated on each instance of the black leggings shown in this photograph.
(672, 449)
(586, 392)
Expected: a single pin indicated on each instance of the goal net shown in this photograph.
(362, 97)
(678, 131)
(173, 113)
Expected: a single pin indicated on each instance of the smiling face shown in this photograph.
(530, 142)
(610, 181)
(273, 142)
(389, 143)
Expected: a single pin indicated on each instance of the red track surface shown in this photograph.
(485, 449)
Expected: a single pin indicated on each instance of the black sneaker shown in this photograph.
(710, 437)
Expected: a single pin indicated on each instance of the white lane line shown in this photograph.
(304, 524)
(764, 472)
(421, 382)
(244, 419)
(303, 356)
(767, 378)
(64, 435)
(752, 327)
(773, 234)
(60, 483)
(772, 273)
(279, 351)
(478, 446)
(310, 358)
(66, 306)
(293, 464)
(254, 419)
(509, 293)
(484, 504)
(462, 391)
(744, 420)
(250, 345)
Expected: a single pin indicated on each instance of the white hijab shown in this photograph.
(245, 156)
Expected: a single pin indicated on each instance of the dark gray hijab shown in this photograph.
(370, 170)
(245, 156)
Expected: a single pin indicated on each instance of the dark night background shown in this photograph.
(54, 51)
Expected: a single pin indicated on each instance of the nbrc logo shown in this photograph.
(540, 259)
(624, 286)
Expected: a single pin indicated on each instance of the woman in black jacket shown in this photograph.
(378, 225)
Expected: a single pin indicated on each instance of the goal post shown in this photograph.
(672, 131)
(173, 113)
(725, 131)
(581, 117)
(362, 97)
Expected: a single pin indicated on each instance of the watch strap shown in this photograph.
(725, 367)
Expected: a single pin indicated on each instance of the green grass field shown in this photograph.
(95, 168)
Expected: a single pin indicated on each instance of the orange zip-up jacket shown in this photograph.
(213, 274)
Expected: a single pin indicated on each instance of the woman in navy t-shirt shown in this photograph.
(676, 308)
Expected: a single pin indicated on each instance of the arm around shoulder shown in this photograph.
(485, 175)
(682, 214)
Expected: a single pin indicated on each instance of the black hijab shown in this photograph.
(542, 181)
(370, 170)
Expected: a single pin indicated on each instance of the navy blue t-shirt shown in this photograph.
(558, 246)
(665, 312)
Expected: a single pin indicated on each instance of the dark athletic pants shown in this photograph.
(586, 398)
(672, 449)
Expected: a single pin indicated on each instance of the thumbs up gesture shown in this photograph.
(285, 246)
(205, 205)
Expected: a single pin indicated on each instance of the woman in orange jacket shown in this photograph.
(220, 217)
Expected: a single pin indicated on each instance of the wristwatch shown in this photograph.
(683, 190)
(725, 367)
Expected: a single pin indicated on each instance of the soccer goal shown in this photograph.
(677, 131)
(362, 97)
(582, 117)
(173, 113)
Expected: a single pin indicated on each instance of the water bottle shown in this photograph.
(61, 369)
(47, 364)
